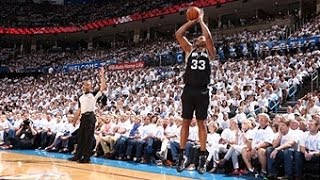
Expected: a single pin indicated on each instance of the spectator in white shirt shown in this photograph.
(7, 128)
(213, 145)
(4, 127)
(58, 131)
(283, 147)
(108, 140)
(261, 139)
(310, 146)
(240, 116)
(243, 139)
(144, 136)
(312, 108)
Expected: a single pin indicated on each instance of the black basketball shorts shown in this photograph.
(195, 99)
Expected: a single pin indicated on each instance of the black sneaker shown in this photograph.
(84, 160)
(283, 177)
(160, 155)
(202, 167)
(74, 158)
(262, 175)
(181, 163)
(250, 173)
(271, 177)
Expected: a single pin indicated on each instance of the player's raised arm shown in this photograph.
(180, 35)
(209, 41)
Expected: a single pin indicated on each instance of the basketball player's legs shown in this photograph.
(187, 114)
(184, 133)
(202, 104)
(202, 129)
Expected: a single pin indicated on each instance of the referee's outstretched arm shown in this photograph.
(103, 84)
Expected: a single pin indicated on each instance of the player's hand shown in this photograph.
(200, 18)
(193, 22)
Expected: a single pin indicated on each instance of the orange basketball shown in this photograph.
(193, 13)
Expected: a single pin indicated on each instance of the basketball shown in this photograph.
(193, 13)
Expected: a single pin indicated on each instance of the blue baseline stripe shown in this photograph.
(136, 166)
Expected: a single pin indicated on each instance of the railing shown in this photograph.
(292, 91)
(274, 105)
(314, 77)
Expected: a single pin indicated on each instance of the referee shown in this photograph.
(86, 109)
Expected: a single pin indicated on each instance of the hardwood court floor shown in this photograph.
(21, 166)
(42, 165)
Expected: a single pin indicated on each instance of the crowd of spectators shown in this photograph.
(140, 112)
(151, 52)
(309, 29)
(163, 51)
(238, 88)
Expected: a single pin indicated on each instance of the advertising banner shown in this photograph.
(126, 66)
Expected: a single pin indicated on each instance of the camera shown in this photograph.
(26, 123)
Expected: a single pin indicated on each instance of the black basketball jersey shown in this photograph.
(198, 69)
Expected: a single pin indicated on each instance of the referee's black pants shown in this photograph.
(86, 136)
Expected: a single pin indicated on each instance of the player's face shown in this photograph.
(200, 42)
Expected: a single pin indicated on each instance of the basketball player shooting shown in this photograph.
(195, 96)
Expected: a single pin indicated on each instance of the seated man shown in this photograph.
(137, 142)
(109, 139)
(5, 128)
(310, 146)
(261, 139)
(283, 148)
(121, 144)
(24, 136)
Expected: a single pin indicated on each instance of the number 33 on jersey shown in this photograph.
(198, 68)
(198, 64)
